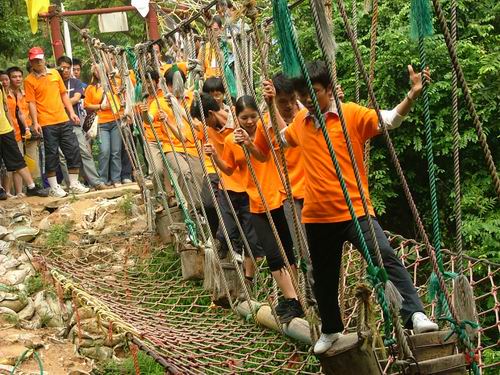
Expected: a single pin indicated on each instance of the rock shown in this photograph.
(48, 312)
(45, 223)
(3, 231)
(25, 233)
(6, 368)
(11, 263)
(8, 314)
(89, 343)
(78, 372)
(108, 230)
(32, 324)
(4, 246)
(3, 270)
(28, 311)
(14, 277)
(98, 353)
(9, 237)
(12, 301)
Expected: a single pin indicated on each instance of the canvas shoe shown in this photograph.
(127, 181)
(78, 188)
(325, 342)
(57, 192)
(290, 308)
(36, 192)
(422, 324)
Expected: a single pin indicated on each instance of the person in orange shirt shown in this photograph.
(19, 113)
(325, 214)
(210, 65)
(233, 159)
(218, 129)
(48, 99)
(107, 108)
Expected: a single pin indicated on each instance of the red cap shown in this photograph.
(35, 53)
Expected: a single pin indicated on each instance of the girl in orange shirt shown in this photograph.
(267, 175)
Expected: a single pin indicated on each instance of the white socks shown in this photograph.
(53, 182)
(73, 179)
(31, 186)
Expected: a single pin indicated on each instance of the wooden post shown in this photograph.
(55, 33)
(351, 355)
(152, 22)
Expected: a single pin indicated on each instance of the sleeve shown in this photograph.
(89, 97)
(62, 88)
(289, 134)
(260, 141)
(78, 87)
(392, 119)
(366, 122)
(29, 91)
(228, 153)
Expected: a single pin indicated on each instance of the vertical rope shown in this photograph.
(355, 34)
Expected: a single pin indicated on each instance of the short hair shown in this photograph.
(283, 85)
(169, 76)
(2, 72)
(13, 69)
(208, 103)
(318, 73)
(216, 19)
(77, 62)
(64, 59)
(244, 102)
(213, 84)
(155, 76)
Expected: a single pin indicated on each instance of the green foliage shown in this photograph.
(126, 204)
(147, 365)
(33, 284)
(58, 235)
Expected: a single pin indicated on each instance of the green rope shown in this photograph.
(377, 276)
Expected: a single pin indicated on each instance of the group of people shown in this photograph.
(237, 142)
(42, 118)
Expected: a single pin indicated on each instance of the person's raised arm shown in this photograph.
(209, 150)
(269, 93)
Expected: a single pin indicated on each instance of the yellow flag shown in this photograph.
(35, 7)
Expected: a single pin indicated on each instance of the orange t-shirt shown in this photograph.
(266, 173)
(182, 65)
(94, 96)
(212, 68)
(293, 156)
(154, 113)
(45, 91)
(324, 201)
(157, 125)
(23, 107)
(216, 138)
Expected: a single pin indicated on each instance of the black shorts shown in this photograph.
(10, 154)
(61, 136)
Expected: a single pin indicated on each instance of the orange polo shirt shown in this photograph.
(154, 113)
(324, 201)
(45, 91)
(293, 156)
(216, 138)
(266, 173)
(23, 107)
(212, 68)
(94, 95)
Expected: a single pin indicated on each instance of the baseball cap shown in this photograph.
(35, 53)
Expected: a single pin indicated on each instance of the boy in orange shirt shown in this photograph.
(326, 215)
(48, 99)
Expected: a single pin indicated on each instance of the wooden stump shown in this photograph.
(192, 262)
(163, 223)
(232, 280)
(298, 328)
(432, 345)
(350, 355)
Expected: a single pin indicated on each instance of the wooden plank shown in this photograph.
(449, 365)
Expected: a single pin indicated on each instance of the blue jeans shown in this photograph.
(110, 148)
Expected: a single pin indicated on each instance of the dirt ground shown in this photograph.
(57, 355)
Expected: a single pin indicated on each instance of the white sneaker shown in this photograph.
(325, 342)
(421, 323)
(57, 192)
(127, 181)
(78, 188)
(117, 184)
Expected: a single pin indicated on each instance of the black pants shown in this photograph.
(208, 204)
(241, 205)
(61, 136)
(9, 152)
(267, 239)
(325, 246)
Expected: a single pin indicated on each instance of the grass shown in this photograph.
(33, 284)
(126, 367)
(45, 319)
(58, 235)
(11, 319)
(126, 204)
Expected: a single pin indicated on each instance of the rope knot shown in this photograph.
(251, 11)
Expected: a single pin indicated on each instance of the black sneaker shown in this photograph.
(293, 310)
(37, 192)
(282, 306)
(3, 194)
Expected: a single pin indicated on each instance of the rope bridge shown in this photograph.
(144, 295)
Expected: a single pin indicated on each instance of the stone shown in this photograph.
(14, 277)
(48, 312)
(108, 230)
(11, 263)
(12, 301)
(25, 233)
(27, 312)
(3, 231)
(78, 372)
(98, 353)
(6, 311)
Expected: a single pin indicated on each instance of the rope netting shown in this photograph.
(136, 284)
